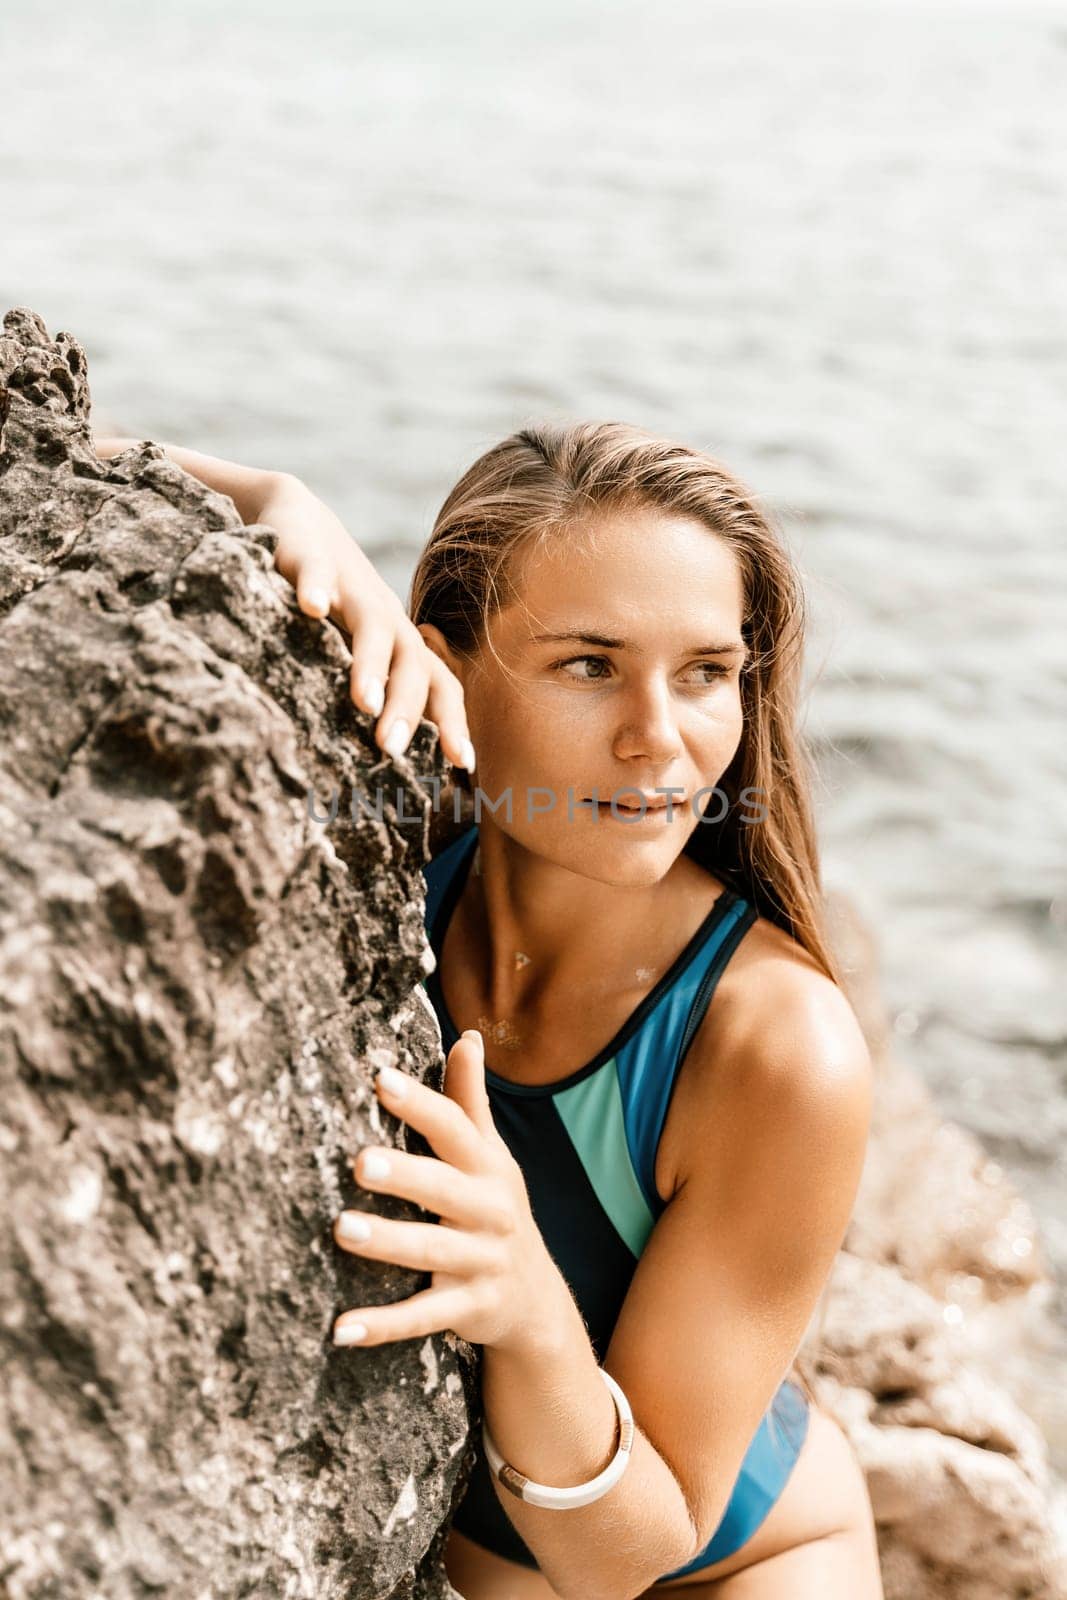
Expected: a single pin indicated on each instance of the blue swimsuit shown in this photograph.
(587, 1148)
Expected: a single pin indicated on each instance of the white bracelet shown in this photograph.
(580, 1494)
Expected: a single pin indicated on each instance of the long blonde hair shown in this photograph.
(547, 479)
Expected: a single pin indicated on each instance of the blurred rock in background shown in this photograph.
(937, 1317)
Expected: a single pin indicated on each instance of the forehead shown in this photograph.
(647, 570)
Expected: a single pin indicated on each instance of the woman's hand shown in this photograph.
(394, 671)
(493, 1279)
(395, 674)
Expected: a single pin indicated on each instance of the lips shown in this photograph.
(658, 804)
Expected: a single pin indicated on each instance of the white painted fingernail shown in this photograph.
(393, 1082)
(350, 1333)
(399, 734)
(372, 691)
(376, 1165)
(353, 1225)
(468, 755)
(319, 599)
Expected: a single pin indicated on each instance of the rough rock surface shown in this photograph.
(196, 981)
(938, 1303)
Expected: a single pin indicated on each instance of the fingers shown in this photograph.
(316, 590)
(430, 1311)
(422, 1246)
(465, 1080)
(405, 695)
(447, 709)
(372, 649)
(444, 1123)
(420, 684)
(395, 676)
(431, 1184)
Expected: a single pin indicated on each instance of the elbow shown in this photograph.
(587, 1585)
(638, 1585)
(685, 1549)
(690, 1544)
(587, 1589)
(642, 1578)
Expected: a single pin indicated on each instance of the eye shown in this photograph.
(558, 666)
(715, 668)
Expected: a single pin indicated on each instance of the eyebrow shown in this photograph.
(730, 648)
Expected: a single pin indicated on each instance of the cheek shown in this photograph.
(718, 731)
(725, 706)
(517, 737)
(548, 747)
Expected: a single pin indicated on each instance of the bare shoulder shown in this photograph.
(780, 1047)
(775, 1008)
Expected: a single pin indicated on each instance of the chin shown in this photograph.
(600, 854)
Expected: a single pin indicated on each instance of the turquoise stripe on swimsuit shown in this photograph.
(587, 1148)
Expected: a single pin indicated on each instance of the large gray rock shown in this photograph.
(196, 979)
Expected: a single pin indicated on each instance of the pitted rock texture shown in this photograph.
(197, 979)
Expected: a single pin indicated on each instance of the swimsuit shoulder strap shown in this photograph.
(650, 1063)
(615, 1114)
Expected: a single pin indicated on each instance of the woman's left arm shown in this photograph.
(720, 1298)
(727, 1283)
(718, 1304)
(494, 1283)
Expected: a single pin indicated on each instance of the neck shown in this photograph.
(538, 932)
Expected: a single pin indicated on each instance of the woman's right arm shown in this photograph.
(395, 674)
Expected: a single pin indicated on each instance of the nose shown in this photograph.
(648, 729)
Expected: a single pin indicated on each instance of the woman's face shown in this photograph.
(649, 699)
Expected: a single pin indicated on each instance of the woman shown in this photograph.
(657, 1097)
